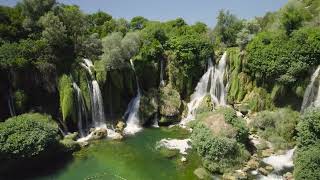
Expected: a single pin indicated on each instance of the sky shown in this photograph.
(191, 10)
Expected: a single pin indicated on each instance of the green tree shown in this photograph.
(227, 28)
(138, 23)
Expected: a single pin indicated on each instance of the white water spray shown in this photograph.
(311, 96)
(132, 112)
(216, 89)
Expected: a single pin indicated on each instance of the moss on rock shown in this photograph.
(169, 104)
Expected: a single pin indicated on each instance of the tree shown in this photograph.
(54, 30)
(199, 27)
(138, 23)
(292, 16)
(227, 27)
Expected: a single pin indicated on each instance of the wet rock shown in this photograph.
(269, 168)
(263, 171)
(72, 136)
(240, 174)
(99, 134)
(120, 126)
(253, 164)
(168, 153)
(228, 176)
(288, 176)
(267, 152)
(183, 159)
(117, 136)
(202, 173)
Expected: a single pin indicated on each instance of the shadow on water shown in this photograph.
(31, 169)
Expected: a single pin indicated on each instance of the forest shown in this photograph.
(86, 96)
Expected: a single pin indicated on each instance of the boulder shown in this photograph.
(263, 171)
(99, 133)
(269, 168)
(267, 152)
(120, 126)
(228, 176)
(202, 173)
(253, 164)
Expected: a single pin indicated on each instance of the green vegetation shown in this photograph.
(306, 159)
(28, 136)
(219, 139)
(278, 127)
(66, 97)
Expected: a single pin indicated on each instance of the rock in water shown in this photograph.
(202, 173)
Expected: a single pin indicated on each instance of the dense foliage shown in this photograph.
(219, 154)
(306, 159)
(278, 127)
(27, 136)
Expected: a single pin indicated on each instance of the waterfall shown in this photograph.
(161, 72)
(97, 105)
(11, 104)
(132, 112)
(312, 96)
(81, 111)
(97, 109)
(216, 88)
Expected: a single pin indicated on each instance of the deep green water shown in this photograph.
(135, 158)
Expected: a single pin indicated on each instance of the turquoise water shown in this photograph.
(135, 158)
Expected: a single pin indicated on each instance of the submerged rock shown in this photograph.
(202, 173)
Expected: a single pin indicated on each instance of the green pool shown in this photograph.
(135, 158)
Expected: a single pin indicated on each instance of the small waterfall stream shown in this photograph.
(161, 72)
(11, 104)
(216, 89)
(98, 116)
(82, 114)
(132, 112)
(312, 94)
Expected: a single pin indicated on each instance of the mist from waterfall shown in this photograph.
(132, 112)
(216, 89)
(82, 114)
(311, 96)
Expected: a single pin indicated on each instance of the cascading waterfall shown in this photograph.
(81, 111)
(161, 72)
(97, 109)
(11, 105)
(312, 94)
(132, 112)
(216, 89)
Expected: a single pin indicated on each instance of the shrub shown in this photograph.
(218, 153)
(309, 128)
(238, 123)
(278, 127)
(27, 136)
(306, 163)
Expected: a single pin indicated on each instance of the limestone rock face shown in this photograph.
(120, 127)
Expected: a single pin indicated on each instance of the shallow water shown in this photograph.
(135, 158)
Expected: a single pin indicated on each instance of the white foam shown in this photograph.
(180, 144)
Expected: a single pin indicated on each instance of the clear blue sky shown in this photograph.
(191, 10)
